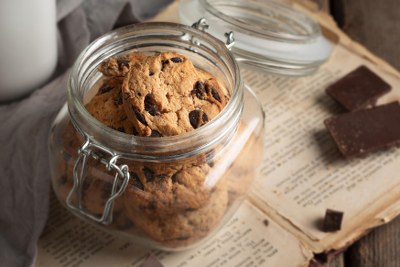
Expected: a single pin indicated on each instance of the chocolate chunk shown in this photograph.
(197, 118)
(150, 105)
(358, 89)
(216, 95)
(105, 89)
(139, 116)
(122, 63)
(173, 178)
(204, 117)
(176, 60)
(360, 132)
(194, 118)
(155, 133)
(149, 174)
(136, 180)
(118, 99)
(332, 220)
(163, 63)
(199, 90)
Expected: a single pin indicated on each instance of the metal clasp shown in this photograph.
(203, 25)
(121, 179)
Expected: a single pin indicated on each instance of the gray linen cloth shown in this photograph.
(25, 124)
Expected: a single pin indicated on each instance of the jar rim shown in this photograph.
(174, 146)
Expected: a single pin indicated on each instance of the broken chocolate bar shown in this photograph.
(358, 133)
(359, 89)
(332, 221)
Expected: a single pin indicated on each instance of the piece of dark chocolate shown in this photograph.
(359, 89)
(360, 132)
(332, 220)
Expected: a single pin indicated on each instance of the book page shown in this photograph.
(303, 173)
(250, 238)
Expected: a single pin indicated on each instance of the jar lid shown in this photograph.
(268, 34)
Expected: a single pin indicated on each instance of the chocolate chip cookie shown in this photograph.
(168, 188)
(164, 95)
(106, 106)
(183, 228)
(119, 66)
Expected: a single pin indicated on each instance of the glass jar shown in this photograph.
(165, 192)
(269, 35)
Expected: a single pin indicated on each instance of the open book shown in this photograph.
(303, 174)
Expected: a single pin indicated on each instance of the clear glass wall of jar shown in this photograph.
(198, 179)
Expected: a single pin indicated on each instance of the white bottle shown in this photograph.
(28, 45)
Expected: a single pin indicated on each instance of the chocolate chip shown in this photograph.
(199, 90)
(105, 89)
(151, 73)
(176, 59)
(136, 180)
(173, 178)
(204, 117)
(118, 99)
(123, 63)
(194, 118)
(197, 118)
(215, 94)
(150, 105)
(134, 131)
(149, 174)
(163, 63)
(155, 133)
(139, 116)
(332, 221)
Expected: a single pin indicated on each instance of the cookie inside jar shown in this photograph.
(157, 95)
(162, 141)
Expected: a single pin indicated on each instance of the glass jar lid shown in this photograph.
(268, 34)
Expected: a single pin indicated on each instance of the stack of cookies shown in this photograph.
(155, 96)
